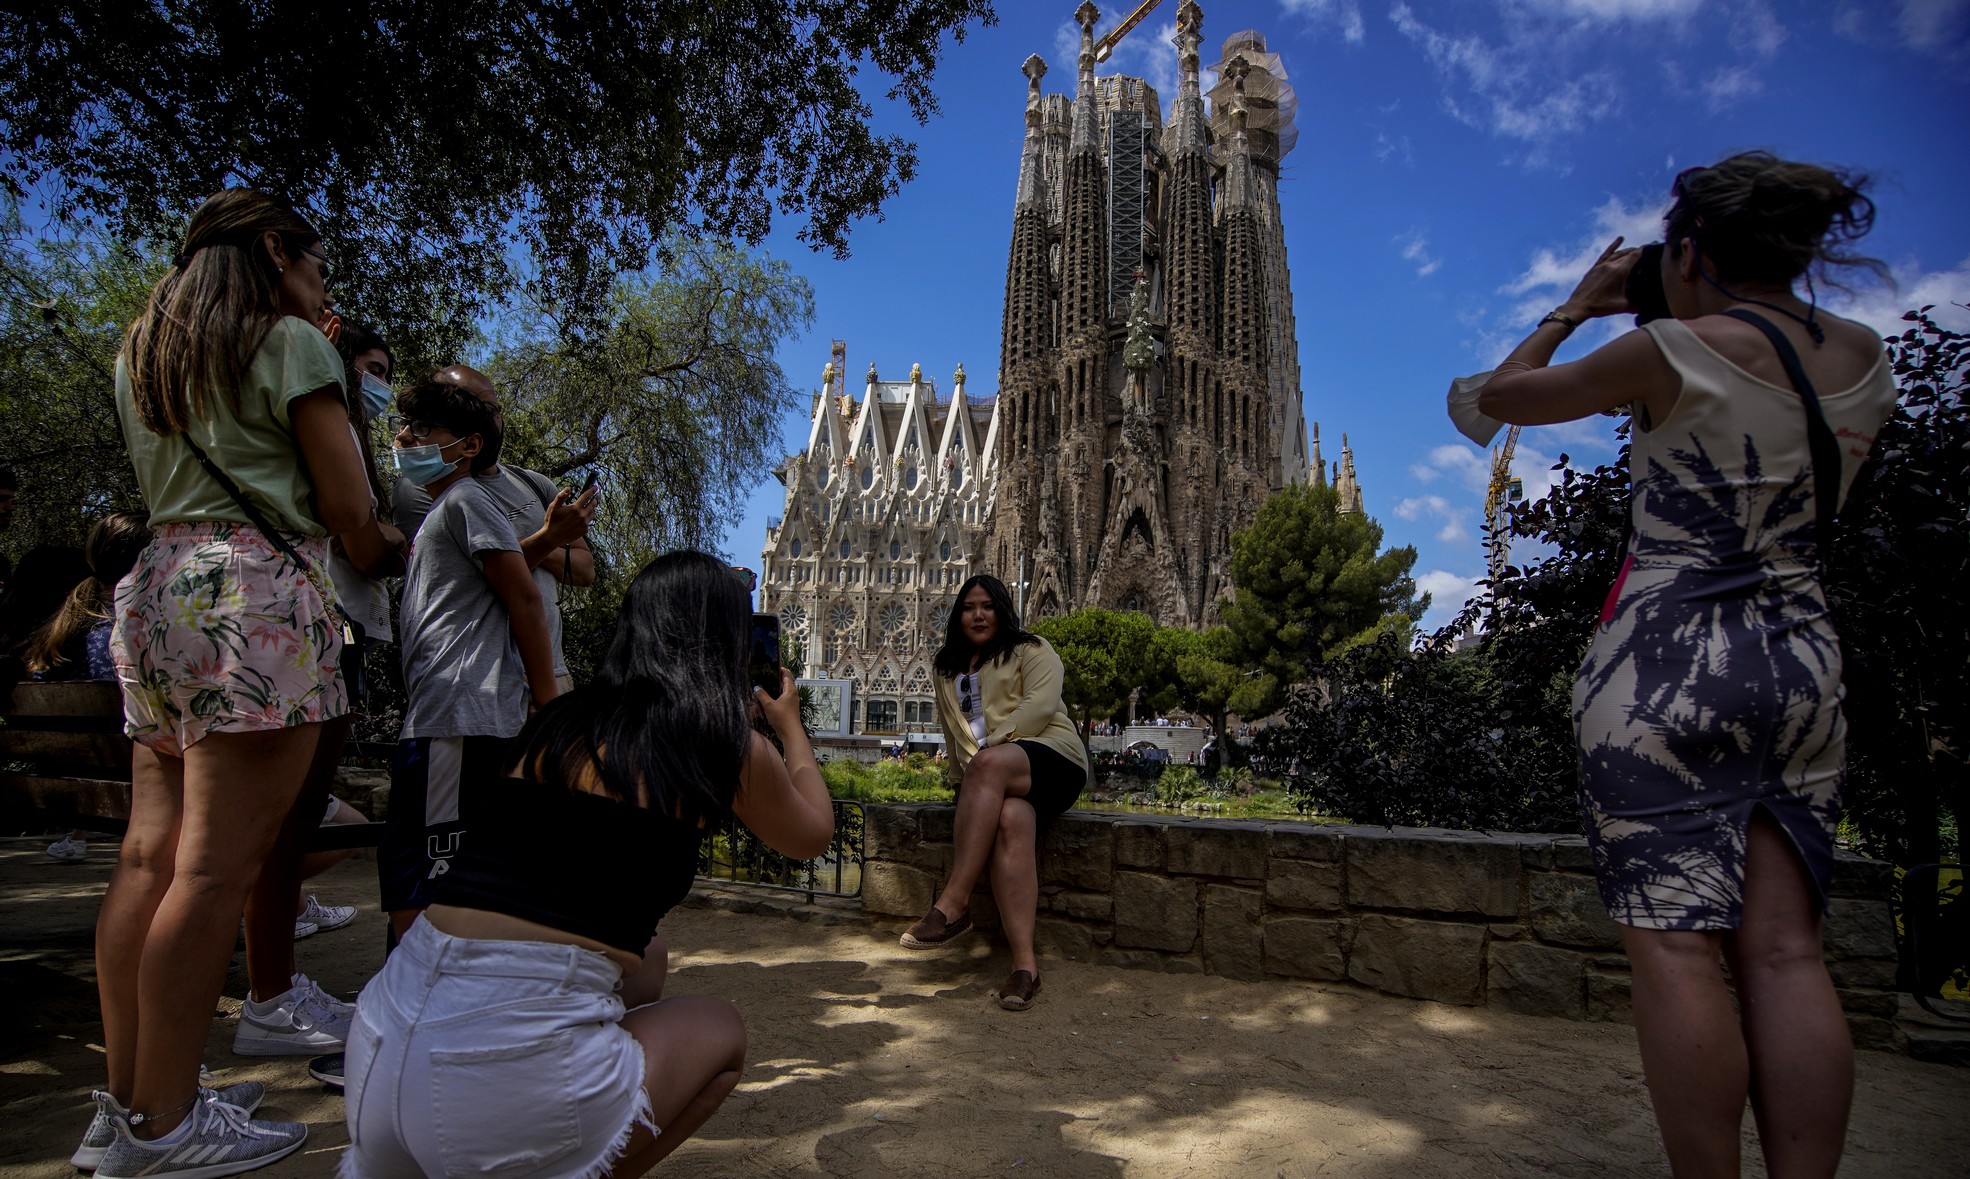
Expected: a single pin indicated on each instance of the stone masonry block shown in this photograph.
(1233, 939)
(934, 822)
(1079, 851)
(1155, 912)
(1608, 997)
(1441, 872)
(1440, 960)
(1858, 876)
(1139, 844)
(1304, 884)
(1083, 906)
(1305, 841)
(1536, 980)
(1567, 909)
(1217, 849)
(1570, 854)
(1071, 940)
(1133, 959)
(1864, 972)
(1307, 947)
(890, 832)
(897, 890)
(1859, 929)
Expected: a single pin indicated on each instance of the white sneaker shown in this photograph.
(305, 929)
(102, 1128)
(325, 917)
(304, 1021)
(69, 850)
(215, 1139)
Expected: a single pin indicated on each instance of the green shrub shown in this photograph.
(913, 779)
(1179, 784)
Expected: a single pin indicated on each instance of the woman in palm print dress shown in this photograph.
(1712, 745)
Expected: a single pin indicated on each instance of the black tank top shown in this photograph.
(584, 864)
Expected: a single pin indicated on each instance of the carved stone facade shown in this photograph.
(1149, 382)
(885, 510)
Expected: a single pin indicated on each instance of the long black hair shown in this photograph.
(954, 657)
(665, 724)
(356, 339)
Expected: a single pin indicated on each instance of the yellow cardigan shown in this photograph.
(1022, 703)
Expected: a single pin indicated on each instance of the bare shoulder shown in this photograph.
(1848, 355)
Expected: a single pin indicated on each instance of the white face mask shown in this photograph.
(424, 465)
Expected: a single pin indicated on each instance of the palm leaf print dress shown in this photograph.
(1712, 687)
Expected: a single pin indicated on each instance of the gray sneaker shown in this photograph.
(220, 1140)
(305, 1021)
(102, 1128)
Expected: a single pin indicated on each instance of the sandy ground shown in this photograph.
(867, 1060)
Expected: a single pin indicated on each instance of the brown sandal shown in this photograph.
(1016, 993)
(936, 931)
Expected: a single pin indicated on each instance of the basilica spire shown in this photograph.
(1084, 131)
(1190, 121)
(1032, 183)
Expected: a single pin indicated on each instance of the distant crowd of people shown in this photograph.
(539, 831)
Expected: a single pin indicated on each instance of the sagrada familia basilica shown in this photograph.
(1148, 392)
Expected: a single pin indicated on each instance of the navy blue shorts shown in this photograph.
(421, 834)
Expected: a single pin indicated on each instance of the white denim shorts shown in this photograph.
(475, 1058)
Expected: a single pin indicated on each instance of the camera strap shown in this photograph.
(1823, 446)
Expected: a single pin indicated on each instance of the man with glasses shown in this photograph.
(552, 523)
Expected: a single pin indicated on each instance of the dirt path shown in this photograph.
(869, 1061)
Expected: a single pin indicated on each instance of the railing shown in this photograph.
(734, 855)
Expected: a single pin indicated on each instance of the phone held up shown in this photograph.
(763, 660)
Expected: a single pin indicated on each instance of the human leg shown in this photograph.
(995, 774)
(270, 904)
(143, 871)
(694, 1047)
(1692, 1048)
(1801, 1054)
(238, 788)
(1016, 879)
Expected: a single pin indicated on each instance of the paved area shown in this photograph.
(868, 1061)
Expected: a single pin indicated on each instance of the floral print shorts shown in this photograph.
(217, 631)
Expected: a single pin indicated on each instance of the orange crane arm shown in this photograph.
(1106, 45)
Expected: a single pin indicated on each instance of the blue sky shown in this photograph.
(1459, 164)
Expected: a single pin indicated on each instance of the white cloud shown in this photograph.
(1342, 15)
(1396, 148)
(1512, 91)
(1448, 592)
(1726, 87)
(1881, 308)
(1415, 248)
(1146, 53)
(1455, 520)
(1937, 28)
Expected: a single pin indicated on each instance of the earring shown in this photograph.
(280, 270)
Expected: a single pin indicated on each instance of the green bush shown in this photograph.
(1179, 784)
(913, 779)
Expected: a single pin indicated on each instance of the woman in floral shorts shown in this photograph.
(228, 647)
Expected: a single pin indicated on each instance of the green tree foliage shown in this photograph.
(1310, 579)
(437, 142)
(1105, 654)
(675, 403)
(64, 305)
(1901, 600)
(1204, 677)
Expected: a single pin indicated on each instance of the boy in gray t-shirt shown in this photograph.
(474, 635)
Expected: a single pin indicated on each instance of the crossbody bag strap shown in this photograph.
(1820, 442)
(259, 520)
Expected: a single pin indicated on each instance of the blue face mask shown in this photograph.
(424, 465)
(375, 394)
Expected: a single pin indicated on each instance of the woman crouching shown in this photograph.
(998, 701)
(518, 1027)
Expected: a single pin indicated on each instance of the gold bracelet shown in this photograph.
(1560, 318)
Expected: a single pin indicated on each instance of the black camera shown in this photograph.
(1644, 292)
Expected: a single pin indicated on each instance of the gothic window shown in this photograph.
(822, 469)
(957, 473)
(841, 619)
(910, 479)
(844, 549)
(891, 621)
(943, 551)
(868, 477)
(895, 549)
(793, 547)
(793, 618)
(881, 717)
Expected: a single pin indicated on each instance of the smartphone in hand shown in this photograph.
(763, 659)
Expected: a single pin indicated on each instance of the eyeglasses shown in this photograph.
(397, 423)
(966, 683)
(746, 577)
(321, 261)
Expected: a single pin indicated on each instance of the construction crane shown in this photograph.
(1503, 489)
(1106, 45)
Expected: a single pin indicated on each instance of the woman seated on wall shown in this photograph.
(1022, 764)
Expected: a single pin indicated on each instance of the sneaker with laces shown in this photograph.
(303, 1021)
(215, 1139)
(325, 917)
(328, 1069)
(69, 850)
(305, 929)
(247, 1095)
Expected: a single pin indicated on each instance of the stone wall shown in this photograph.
(1454, 916)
